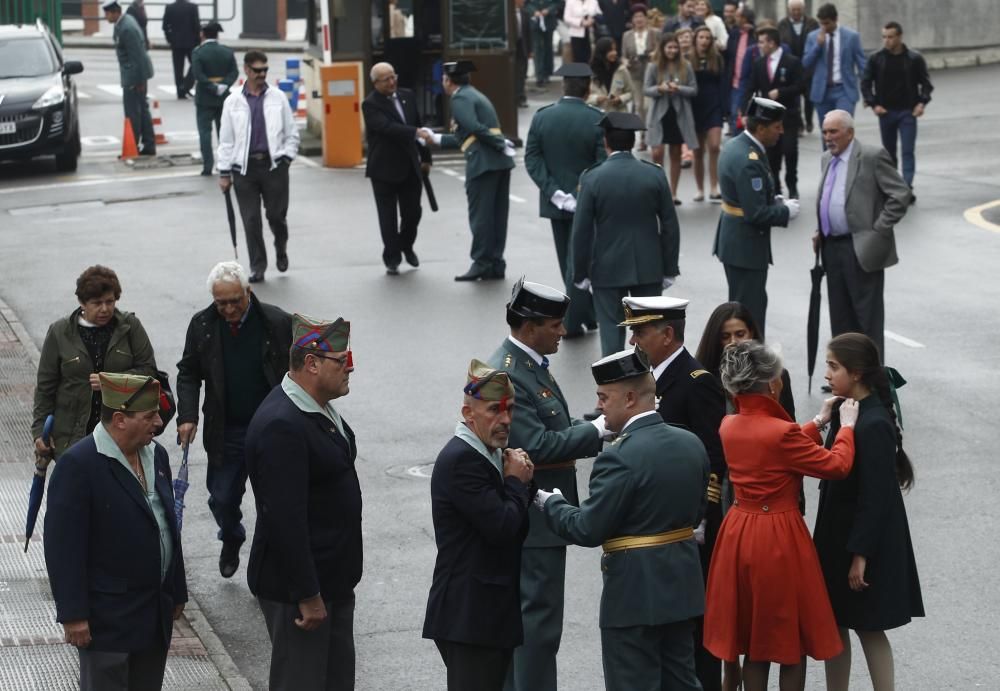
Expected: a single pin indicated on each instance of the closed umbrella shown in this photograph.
(42, 460)
(180, 488)
(812, 326)
(231, 216)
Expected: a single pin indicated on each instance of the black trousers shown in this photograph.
(749, 287)
(787, 148)
(520, 77)
(258, 183)
(183, 80)
(474, 667)
(856, 296)
(108, 671)
(398, 232)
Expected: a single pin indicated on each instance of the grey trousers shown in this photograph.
(137, 111)
(650, 658)
(749, 288)
(543, 586)
(107, 671)
(257, 183)
(856, 296)
(319, 660)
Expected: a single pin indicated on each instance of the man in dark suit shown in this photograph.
(777, 75)
(522, 51)
(480, 491)
(238, 346)
(306, 556)
(861, 198)
(112, 545)
(690, 397)
(398, 157)
(182, 28)
(647, 491)
(793, 30)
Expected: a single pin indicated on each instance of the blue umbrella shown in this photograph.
(180, 488)
(42, 461)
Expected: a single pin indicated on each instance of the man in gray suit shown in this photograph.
(136, 70)
(861, 198)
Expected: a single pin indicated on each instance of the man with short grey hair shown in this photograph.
(793, 30)
(239, 347)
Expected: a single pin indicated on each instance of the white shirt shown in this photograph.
(797, 27)
(838, 195)
(640, 41)
(574, 13)
(836, 55)
(659, 369)
(772, 63)
(755, 141)
(530, 351)
(636, 417)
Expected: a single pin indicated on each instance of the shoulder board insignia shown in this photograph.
(619, 439)
(508, 360)
(650, 163)
(753, 156)
(698, 372)
(595, 108)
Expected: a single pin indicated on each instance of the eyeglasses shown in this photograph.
(346, 360)
(259, 70)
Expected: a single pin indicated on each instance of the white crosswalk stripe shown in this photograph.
(167, 89)
(82, 94)
(112, 89)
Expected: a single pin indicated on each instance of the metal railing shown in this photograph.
(27, 11)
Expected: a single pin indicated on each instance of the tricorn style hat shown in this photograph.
(536, 301)
(330, 337)
(212, 26)
(651, 309)
(574, 69)
(459, 67)
(622, 121)
(110, 5)
(765, 110)
(131, 393)
(487, 384)
(622, 365)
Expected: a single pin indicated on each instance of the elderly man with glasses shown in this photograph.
(238, 346)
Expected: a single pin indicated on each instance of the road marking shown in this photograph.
(110, 89)
(515, 198)
(82, 94)
(309, 162)
(100, 140)
(167, 89)
(448, 171)
(892, 336)
(102, 180)
(975, 216)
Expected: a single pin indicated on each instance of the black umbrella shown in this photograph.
(429, 189)
(42, 460)
(812, 327)
(180, 488)
(231, 215)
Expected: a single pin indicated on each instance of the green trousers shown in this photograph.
(581, 302)
(649, 658)
(611, 313)
(543, 584)
(489, 202)
(206, 116)
(749, 288)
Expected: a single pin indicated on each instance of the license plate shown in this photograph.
(8, 127)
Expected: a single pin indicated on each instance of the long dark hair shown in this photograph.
(603, 70)
(710, 349)
(858, 354)
(677, 70)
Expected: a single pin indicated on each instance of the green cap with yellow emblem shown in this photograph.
(131, 393)
(487, 384)
(311, 334)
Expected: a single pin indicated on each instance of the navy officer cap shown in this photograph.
(459, 67)
(765, 110)
(621, 121)
(643, 310)
(619, 366)
(574, 69)
(537, 301)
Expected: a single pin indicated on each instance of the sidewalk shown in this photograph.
(32, 653)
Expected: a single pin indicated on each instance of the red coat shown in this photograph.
(766, 596)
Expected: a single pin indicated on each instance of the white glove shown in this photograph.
(541, 496)
(221, 89)
(563, 201)
(435, 136)
(668, 281)
(602, 430)
(584, 285)
(699, 533)
(793, 207)
(508, 149)
(570, 204)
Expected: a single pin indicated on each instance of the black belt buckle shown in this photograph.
(260, 157)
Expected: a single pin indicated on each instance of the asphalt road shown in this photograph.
(413, 336)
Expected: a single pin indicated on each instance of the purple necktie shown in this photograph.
(824, 204)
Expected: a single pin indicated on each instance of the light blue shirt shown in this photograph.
(307, 404)
(495, 458)
(838, 195)
(107, 446)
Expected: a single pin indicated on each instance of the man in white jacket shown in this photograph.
(257, 143)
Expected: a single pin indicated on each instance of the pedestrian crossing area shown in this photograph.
(90, 91)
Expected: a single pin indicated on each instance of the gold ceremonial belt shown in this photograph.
(732, 210)
(555, 466)
(617, 544)
(471, 139)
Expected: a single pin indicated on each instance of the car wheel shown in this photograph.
(67, 160)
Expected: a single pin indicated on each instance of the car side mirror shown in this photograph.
(72, 67)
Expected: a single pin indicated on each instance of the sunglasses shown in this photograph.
(259, 70)
(344, 360)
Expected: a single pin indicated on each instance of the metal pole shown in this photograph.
(324, 7)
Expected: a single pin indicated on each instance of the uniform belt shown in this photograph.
(777, 505)
(732, 210)
(617, 544)
(560, 465)
(471, 139)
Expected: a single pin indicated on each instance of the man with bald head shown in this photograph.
(793, 30)
(397, 159)
(861, 198)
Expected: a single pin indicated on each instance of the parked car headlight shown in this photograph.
(53, 97)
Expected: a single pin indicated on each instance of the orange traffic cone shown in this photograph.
(129, 149)
(158, 124)
(300, 111)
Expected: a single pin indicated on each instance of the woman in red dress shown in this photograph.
(766, 597)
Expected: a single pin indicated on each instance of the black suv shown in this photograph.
(38, 112)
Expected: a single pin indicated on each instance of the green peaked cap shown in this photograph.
(311, 334)
(129, 392)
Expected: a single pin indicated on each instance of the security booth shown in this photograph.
(416, 37)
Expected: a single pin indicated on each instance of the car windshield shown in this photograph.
(26, 57)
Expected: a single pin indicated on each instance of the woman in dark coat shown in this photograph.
(862, 535)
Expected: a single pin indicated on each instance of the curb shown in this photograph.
(227, 669)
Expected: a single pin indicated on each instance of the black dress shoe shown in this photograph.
(229, 560)
(593, 415)
(282, 261)
(256, 278)
(206, 172)
(494, 275)
(392, 269)
(474, 274)
(591, 326)
(411, 258)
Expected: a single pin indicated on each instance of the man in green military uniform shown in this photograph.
(544, 19)
(647, 490)
(563, 141)
(545, 430)
(135, 69)
(214, 69)
(488, 160)
(750, 207)
(626, 239)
